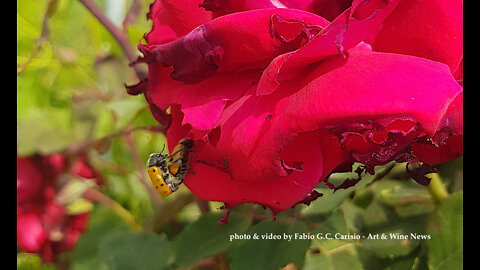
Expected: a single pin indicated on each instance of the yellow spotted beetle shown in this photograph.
(167, 172)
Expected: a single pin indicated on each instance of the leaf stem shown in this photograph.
(137, 159)
(125, 215)
(168, 211)
(203, 206)
(119, 35)
(436, 188)
(221, 261)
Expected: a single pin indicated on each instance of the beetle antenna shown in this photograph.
(176, 152)
(163, 148)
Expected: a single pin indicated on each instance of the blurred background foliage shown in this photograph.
(71, 97)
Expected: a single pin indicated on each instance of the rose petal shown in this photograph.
(204, 116)
(171, 14)
(206, 56)
(223, 43)
(350, 28)
(328, 9)
(431, 29)
(198, 99)
(436, 154)
(224, 7)
(349, 104)
(340, 95)
(458, 72)
(277, 194)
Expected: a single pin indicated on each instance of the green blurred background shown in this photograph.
(70, 93)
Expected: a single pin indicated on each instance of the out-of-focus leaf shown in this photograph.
(335, 223)
(120, 154)
(130, 193)
(406, 200)
(126, 110)
(135, 251)
(445, 248)
(332, 252)
(452, 174)
(47, 131)
(149, 142)
(402, 230)
(408, 262)
(272, 254)
(73, 190)
(145, 118)
(29, 25)
(105, 122)
(345, 219)
(332, 255)
(27, 261)
(206, 237)
(332, 199)
(102, 223)
(400, 237)
(79, 206)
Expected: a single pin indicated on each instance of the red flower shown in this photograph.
(277, 99)
(432, 29)
(43, 226)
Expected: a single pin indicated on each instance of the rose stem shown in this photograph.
(436, 188)
(119, 35)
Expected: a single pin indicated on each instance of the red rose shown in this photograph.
(43, 226)
(432, 29)
(276, 99)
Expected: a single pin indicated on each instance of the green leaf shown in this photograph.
(408, 198)
(265, 254)
(79, 206)
(73, 190)
(332, 199)
(27, 261)
(332, 255)
(127, 109)
(48, 130)
(343, 220)
(135, 251)
(103, 222)
(206, 237)
(335, 253)
(399, 213)
(399, 233)
(129, 192)
(105, 122)
(399, 238)
(446, 231)
(408, 262)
